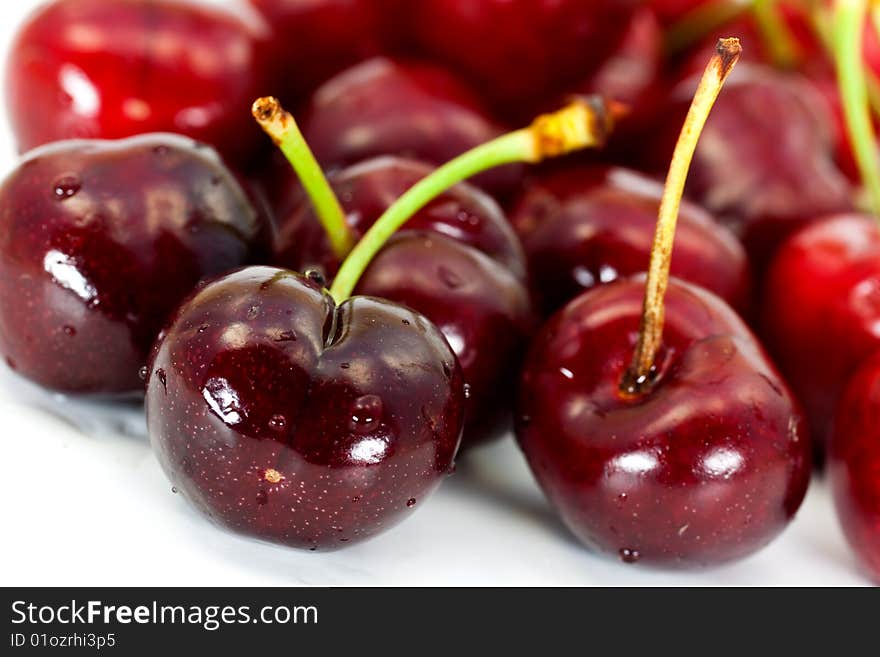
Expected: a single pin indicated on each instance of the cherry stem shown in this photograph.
(280, 125)
(639, 376)
(701, 20)
(584, 123)
(849, 24)
(777, 37)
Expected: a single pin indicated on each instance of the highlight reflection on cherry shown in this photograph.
(99, 242)
(284, 417)
(98, 69)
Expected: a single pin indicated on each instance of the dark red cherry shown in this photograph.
(286, 418)
(821, 310)
(521, 52)
(457, 261)
(585, 226)
(315, 39)
(98, 69)
(367, 189)
(392, 107)
(99, 242)
(764, 165)
(707, 465)
(854, 464)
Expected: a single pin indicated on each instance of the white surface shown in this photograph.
(85, 503)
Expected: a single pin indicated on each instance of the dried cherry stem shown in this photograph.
(584, 123)
(280, 125)
(639, 376)
(850, 17)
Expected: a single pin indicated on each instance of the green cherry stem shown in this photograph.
(777, 37)
(849, 24)
(639, 376)
(584, 123)
(282, 128)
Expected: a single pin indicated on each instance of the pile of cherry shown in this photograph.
(317, 341)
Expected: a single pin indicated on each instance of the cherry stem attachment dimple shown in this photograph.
(639, 376)
(583, 123)
(849, 23)
(280, 125)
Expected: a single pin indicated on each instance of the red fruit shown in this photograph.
(388, 107)
(854, 464)
(99, 242)
(821, 310)
(586, 226)
(706, 466)
(521, 52)
(284, 417)
(457, 261)
(315, 39)
(764, 164)
(92, 68)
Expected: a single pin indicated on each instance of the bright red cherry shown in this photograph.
(100, 241)
(521, 52)
(285, 417)
(457, 261)
(708, 465)
(821, 310)
(585, 226)
(391, 107)
(98, 69)
(764, 165)
(854, 464)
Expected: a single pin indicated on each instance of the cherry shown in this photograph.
(764, 166)
(92, 68)
(100, 241)
(854, 464)
(316, 39)
(393, 107)
(821, 309)
(366, 190)
(284, 416)
(520, 52)
(590, 225)
(458, 261)
(659, 430)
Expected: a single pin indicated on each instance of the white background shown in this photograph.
(85, 503)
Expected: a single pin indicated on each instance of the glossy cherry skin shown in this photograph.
(313, 40)
(707, 466)
(283, 417)
(764, 165)
(99, 242)
(589, 225)
(394, 107)
(854, 464)
(821, 310)
(457, 261)
(98, 69)
(520, 52)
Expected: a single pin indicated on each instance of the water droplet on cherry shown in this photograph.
(629, 556)
(366, 414)
(66, 187)
(411, 502)
(143, 372)
(69, 331)
(278, 422)
(467, 390)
